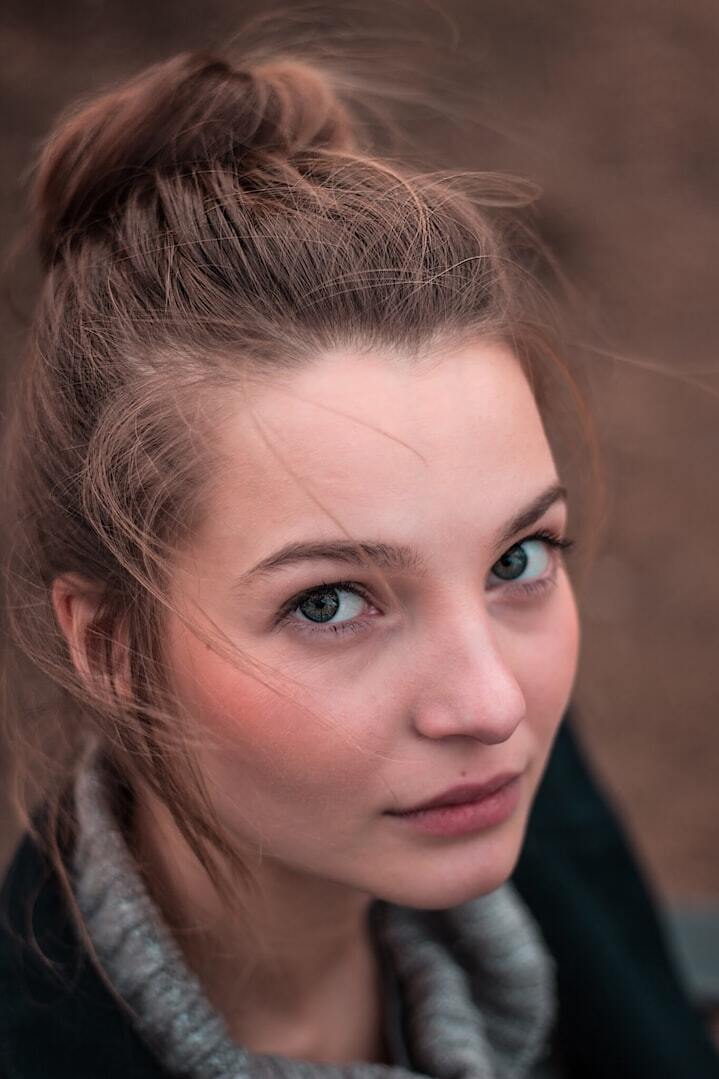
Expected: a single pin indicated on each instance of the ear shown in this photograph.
(75, 601)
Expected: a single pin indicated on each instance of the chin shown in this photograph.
(455, 893)
(450, 879)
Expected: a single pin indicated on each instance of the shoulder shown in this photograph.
(581, 879)
(58, 1019)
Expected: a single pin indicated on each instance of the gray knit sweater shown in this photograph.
(476, 982)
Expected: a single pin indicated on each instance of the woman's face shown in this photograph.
(385, 701)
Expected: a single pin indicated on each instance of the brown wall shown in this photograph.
(612, 107)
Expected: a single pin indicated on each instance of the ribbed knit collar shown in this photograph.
(476, 980)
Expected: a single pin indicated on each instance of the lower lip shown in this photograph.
(467, 817)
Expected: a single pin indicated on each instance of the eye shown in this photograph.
(327, 608)
(324, 603)
(531, 555)
(531, 563)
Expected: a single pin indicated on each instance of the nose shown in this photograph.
(471, 688)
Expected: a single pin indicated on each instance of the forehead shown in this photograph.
(357, 435)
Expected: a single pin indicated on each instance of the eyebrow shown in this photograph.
(392, 557)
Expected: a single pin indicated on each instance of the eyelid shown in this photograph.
(549, 536)
(554, 539)
(555, 536)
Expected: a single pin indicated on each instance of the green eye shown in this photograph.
(527, 561)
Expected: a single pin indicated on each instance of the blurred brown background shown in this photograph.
(612, 107)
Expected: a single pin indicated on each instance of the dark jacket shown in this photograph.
(622, 1013)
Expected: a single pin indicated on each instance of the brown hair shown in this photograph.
(213, 219)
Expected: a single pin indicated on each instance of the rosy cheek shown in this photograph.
(283, 739)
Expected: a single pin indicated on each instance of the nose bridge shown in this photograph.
(471, 687)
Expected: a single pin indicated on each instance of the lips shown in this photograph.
(467, 792)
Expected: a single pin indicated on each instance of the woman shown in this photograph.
(290, 541)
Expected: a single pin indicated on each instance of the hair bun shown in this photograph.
(194, 109)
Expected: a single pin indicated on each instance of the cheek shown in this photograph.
(276, 742)
(548, 662)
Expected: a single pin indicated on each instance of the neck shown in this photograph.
(286, 965)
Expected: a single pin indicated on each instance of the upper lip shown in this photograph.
(467, 792)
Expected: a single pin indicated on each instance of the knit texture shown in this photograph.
(477, 983)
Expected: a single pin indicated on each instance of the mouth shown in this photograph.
(461, 795)
(466, 817)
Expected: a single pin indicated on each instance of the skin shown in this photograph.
(457, 677)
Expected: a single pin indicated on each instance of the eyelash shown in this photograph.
(531, 588)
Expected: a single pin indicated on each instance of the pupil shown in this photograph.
(512, 564)
(320, 606)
